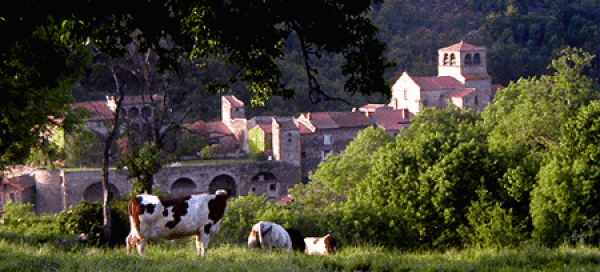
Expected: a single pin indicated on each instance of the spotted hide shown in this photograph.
(325, 245)
(153, 218)
(268, 235)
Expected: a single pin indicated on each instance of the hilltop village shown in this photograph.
(291, 147)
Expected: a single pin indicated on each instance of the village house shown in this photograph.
(293, 144)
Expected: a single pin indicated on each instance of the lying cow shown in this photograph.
(325, 245)
(268, 235)
(153, 218)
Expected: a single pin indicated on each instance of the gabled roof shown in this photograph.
(234, 101)
(437, 83)
(99, 110)
(374, 107)
(392, 120)
(209, 128)
(464, 92)
(332, 120)
(462, 46)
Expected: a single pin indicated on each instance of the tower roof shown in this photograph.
(462, 46)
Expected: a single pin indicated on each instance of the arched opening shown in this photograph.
(477, 59)
(93, 193)
(223, 182)
(146, 112)
(133, 112)
(452, 59)
(468, 60)
(183, 186)
(446, 59)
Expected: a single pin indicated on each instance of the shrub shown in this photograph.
(16, 214)
(241, 214)
(87, 218)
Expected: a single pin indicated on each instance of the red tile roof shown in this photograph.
(462, 46)
(208, 128)
(437, 83)
(234, 101)
(139, 99)
(330, 120)
(477, 77)
(98, 110)
(464, 92)
(392, 120)
(374, 107)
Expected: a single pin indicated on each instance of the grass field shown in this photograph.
(20, 253)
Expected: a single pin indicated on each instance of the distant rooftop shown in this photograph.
(462, 46)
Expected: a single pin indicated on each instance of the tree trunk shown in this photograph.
(107, 222)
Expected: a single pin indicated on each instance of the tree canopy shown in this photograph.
(40, 37)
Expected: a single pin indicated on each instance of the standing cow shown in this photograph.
(152, 218)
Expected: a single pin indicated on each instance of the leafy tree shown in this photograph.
(425, 182)
(142, 164)
(565, 200)
(525, 120)
(355, 162)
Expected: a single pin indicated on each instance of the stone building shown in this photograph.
(293, 147)
(462, 80)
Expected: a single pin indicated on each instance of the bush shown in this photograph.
(209, 152)
(87, 218)
(241, 214)
(16, 214)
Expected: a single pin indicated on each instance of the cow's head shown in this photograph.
(253, 240)
(217, 205)
(330, 244)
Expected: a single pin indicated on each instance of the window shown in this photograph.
(327, 139)
(477, 59)
(452, 59)
(468, 60)
(272, 187)
(12, 196)
(253, 189)
(303, 154)
(445, 59)
(289, 140)
(476, 102)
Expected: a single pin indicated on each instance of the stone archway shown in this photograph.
(93, 193)
(183, 186)
(225, 182)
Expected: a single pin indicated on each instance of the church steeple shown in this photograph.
(463, 61)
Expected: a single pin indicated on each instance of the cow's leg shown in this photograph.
(128, 244)
(202, 239)
(141, 245)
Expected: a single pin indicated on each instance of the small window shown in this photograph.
(289, 140)
(303, 154)
(253, 189)
(272, 187)
(325, 154)
(476, 102)
(468, 60)
(477, 59)
(446, 59)
(327, 139)
(452, 59)
(146, 112)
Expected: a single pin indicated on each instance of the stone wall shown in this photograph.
(59, 189)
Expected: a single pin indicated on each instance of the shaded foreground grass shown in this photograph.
(18, 255)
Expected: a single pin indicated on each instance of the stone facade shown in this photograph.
(462, 80)
(55, 190)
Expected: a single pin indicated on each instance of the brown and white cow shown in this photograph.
(152, 218)
(325, 245)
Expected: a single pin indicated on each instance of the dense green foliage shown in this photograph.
(86, 218)
(565, 202)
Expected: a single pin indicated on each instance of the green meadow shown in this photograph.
(22, 253)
